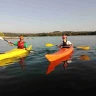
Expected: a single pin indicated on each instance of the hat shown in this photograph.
(63, 37)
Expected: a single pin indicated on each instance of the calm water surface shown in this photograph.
(32, 74)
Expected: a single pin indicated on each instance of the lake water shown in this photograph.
(30, 76)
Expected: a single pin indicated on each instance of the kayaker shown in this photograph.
(20, 44)
(65, 42)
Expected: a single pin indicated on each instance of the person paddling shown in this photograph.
(21, 44)
(65, 43)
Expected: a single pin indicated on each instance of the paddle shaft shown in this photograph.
(7, 41)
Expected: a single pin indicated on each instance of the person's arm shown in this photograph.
(13, 44)
(59, 46)
(25, 45)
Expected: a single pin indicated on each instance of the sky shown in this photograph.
(38, 16)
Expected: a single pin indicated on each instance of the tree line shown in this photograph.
(55, 33)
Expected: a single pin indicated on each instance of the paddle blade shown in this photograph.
(1, 38)
(83, 47)
(49, 45)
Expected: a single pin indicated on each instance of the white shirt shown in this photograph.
(68, 42)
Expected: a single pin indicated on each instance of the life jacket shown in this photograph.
(64, 44)
(21, 45)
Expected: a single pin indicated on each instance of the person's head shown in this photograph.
(64, 37)
(21, 38)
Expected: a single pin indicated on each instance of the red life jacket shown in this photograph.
(20, 45)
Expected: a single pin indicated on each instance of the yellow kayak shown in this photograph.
(18, 53)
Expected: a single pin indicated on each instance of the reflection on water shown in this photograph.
(21, 62)
(84, 57)
(9, 61)
(66, 60)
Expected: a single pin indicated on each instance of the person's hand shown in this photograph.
(10, 43)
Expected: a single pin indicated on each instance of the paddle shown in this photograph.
(50, 45)
(84, 47)
(79, 47)
(5, 40)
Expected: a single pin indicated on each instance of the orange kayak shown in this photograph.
(61, 53)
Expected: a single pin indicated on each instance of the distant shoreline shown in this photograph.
(55, 33)
(11, 37)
